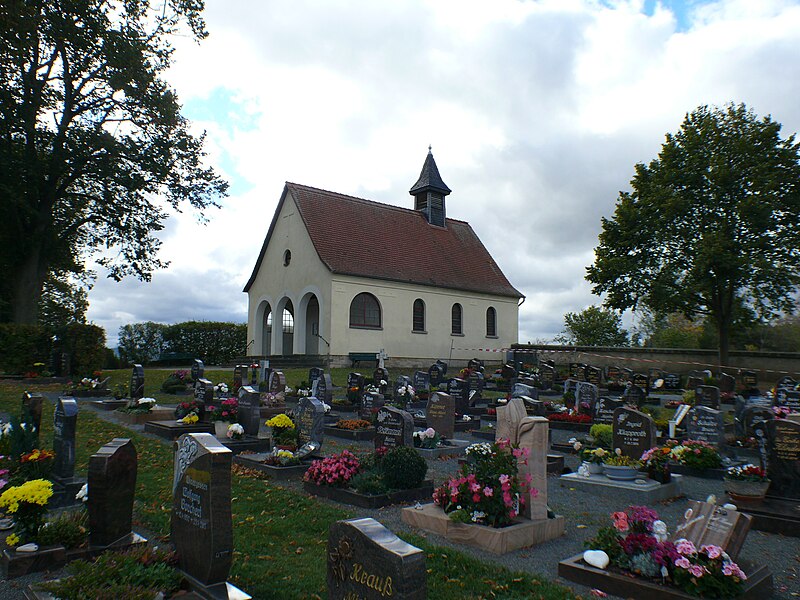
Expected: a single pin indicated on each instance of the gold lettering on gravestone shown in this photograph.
(382, 585)
(306, 424)
(787, 445)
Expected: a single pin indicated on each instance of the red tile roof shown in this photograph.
(353, 236)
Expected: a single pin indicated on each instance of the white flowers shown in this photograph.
(466, 418)
(83, 493)
(429, 433)
(145, 401)
(222, 388)
(327, 407)
(481, 449)
(235, 430)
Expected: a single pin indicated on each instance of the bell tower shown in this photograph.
(429, 193)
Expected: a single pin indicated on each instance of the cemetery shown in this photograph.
(553, 496)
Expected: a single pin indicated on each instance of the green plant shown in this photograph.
(620, 460)
(369, 482)
(606, 540)
(68, 529)
(176, 382)
(594, 455)
(602, 434)
(138, 574)
(27, 503)
(697, 455)
(404, 468)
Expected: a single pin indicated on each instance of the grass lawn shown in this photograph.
(280, 536)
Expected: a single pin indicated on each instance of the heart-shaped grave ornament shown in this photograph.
(596, 558)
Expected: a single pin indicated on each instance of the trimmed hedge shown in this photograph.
(23, 345)
(212, 341)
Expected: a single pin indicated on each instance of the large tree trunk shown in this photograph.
(723, 328)
(27, 289)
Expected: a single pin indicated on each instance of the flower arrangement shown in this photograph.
(221, 388)
(185, 408)
(428, 439)
(228, 410)
(707, 572)
(139, 405)
(27, 503)
(481, 450)
(176, 382)
(695, 454)
(336, 470)
(36, 464)
(83, 493)
(618, 459)
(489, 490)
(570, 417)
(657, 458)
(596, 456)
(352, 424)
(235, 431)
(747, 472)
(281, 458)
(781, 412)
(404, 395)
(270, 399)
(284, 432)
(189, 419)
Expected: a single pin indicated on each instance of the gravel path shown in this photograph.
(584, 512)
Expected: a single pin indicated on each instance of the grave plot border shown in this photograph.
(160, 429)
(757, 586)
(108, 404)
(457, 449)
(717, 473)
(106, 393)
(459, 427)
(567, 426)
(276, 472)
(157, 413)
(774, 516)
(356, 435)
(347, 496)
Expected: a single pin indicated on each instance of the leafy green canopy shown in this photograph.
(711, 227)
(93, 148)
(593, 326)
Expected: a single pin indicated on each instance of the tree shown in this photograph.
(711, 227)
(141, 342)
(62, 302)
(593, 326)
(93, 147)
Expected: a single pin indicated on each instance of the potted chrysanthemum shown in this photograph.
(746, 484)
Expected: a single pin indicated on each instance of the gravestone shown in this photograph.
(533, 433)
(508, 419)
(508, 372)
(239, 375)
(626, 374)
(786, 382)
(436, 375)
(367, 561)
(569, 386)
(613, 374)
(201, 526)
(727, 384)
(198, 370)
(249, 412)
(633, 432)
(475, 386)
(586, 393)
(263, 372)
(440, 414)
(783, 461)
(204, 396)
(594, 375)
(642, 381)
(534, 407)
(66, 365)
(475, 364)
(277, 382)
(761, 433)
(672, 381)
(315, 373)
(65, 422)
(604, 409)
(750, 380)
(32, 409)
(459, 390)
(378, 375)
(705, 425)
(422, 381)
(393, 427)
(137, 383)
(634, 395)
(370, 403)
(324, 391)
(355, 387)
(706, 524)
(112, 487)
(788, 398)
(707, 395)
(752, 416)
(520, 389)
(547, 375)
(310, 421)
(401, 381)
(694, 380)
(577, 371)
(655, 374)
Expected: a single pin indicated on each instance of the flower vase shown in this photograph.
(593, 468)
(221, 428)
(749, 493)
(620, 473)
(660, 475)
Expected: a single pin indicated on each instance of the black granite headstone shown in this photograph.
(752, 416)
(112, 487)
(324, 389)
(249, 411)
(201, 526)
(32, 409)
(789, 398)
(422, 381)
(137, 382)
(783, 461)
(577, 371)
(705, 425)
(370, 403)
(727, 384)
(475, 384)
(634, 395)
(239, 375)
(626, 374)
(277, 382)
(355, 387)
(750, 380)
(440, 414)
(198, 369)
(604, 409)
(613, 374)
(459, 390)
(393, 427)
(401, 381)
(314, 373)
(310, 420)
(436, 375)
(65, 422)
(707, 395)
(378, 375)
(547, 375)
(786, 381)
(203, 396)
(366, 561)
(642, 381)
(594, 375)
(475, 364)
(633, 432)
(672, 381)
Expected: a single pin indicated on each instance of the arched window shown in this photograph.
(418, 320)
(365, 311)
(288, 321)
(268, 320)
(455, 320)
(491, 322)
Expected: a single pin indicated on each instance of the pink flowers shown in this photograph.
(697, 570)
(336, 469)
(685, 547)
(683, 562)
(712, 551)
(488, 492)
(620, 521)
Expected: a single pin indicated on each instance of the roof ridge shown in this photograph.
(364, 200)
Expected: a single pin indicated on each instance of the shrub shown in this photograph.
(69, 530)
(336, 470)
(697, 455)
(369, 482)
(602, 434)
(404, 468)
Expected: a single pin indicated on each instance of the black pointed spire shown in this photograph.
(429, 179)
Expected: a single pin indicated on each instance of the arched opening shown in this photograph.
(365, 312)
(491, 322)
(312, 326)
(418, 317)
(266, 331)
(456, 327)
(287, 322)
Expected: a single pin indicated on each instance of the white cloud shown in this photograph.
(537, 112)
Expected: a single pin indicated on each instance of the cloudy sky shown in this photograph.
(537, 112)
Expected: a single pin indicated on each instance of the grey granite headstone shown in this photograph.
(705, 425)
(783, 461)
(137, 382)
(520, 389)
(393, 427)
(440, 414)
(65, 422)
(310, 420)
(707, 395)
(604, 409)
(249, 412)
(112, 487)
(633, 432)
(370, 403)
(366, 561)
(198, 369)
(32, 409)
(201, 525)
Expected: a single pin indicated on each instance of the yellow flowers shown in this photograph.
(13, 540)
(284, 454)
(280, 421)
(36, 491)
(190, 419)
